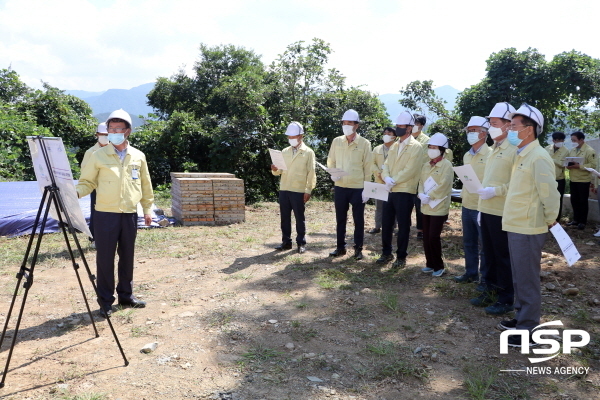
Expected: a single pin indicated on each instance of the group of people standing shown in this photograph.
(504, 224)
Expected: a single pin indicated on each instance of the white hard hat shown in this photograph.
(533, 113)
(405, 118)
(479, 121)
(120, 114)
(438, 139)
(101, 128)
(502, 110)
(294, 129)
(350, 115)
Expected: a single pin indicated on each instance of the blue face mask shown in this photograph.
(116, 138)
(513, 138)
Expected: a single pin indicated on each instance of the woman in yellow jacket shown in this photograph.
(434, 191)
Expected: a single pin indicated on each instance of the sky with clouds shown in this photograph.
(97, 45)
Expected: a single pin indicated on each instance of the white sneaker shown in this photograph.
(597, 234)
(438, 273)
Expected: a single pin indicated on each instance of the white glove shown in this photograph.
(389, 181)
(424, 198)
(479, 218)
(365, 199)
(487, 193)
(335, 178)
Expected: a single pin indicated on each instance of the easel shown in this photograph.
(51, 196)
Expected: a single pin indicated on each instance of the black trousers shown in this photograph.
(398, 207)
(92, 211)
(288, 202)
(419, 214)
(561, 189)
(497, 257)
(342, 199)
(432, 240)
(580, 192)
(114, 232)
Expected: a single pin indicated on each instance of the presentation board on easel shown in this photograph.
(61, 169)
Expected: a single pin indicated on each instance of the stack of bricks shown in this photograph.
(207, 198)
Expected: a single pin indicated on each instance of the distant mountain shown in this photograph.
(447, 93)
(131, 100)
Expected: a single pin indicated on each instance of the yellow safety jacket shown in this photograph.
(477, 161)
(300, 176)
(443, 175)
(354, 158)
(589, 161)
(497, 171)
(403, 165)
(558, 157)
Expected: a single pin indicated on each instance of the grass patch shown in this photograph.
(261, 353)
(381, 348)
(401, 368)
(450, 289)
(86, 396)
(389, 300)
(331, 278)
(482, 382)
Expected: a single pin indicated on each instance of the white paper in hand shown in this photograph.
(434, 203)
(429, 185)
(334, 171)
(277, 159)
(377, 191)
(566, 244)
(468, 177)
(593, 171)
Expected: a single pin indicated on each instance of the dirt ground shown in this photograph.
(235, 319)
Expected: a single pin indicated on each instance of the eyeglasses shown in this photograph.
(514, 127)
(116, 130)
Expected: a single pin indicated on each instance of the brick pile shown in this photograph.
(207, 198)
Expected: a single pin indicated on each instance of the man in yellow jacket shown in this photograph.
(119, 174)
(492, 198)
(580, 179)
(401, 172)
(423, 139)
(380, 154)
(102, 137)
(296, 186)
(531, 208)
(477, 131)
(352, 154)
(558, 152)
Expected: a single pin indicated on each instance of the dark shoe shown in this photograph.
(399, 263)
(482, 287)
(515, 341)
(385, 258)
(420, 235)
(301, 249)
(581, 227)
(105, 311)
(338, 252)
(507, 325)
(572, 223)
(499, 309)
(465, 279)
(483, 300)
(374, 231)
(284, 246)
(358, 255)
(133, 302)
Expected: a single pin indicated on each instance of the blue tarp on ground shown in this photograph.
(19, 203)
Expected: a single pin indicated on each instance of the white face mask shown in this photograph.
(558, 145)
(387, 138)
(433, 153)
(494, 132)
(472, 137)
(415, 129)
(348, 130)
(103, 139)
(293, 142)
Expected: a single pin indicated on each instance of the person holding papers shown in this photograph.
(492, 197)
(580, 179)
(435, 187)
(559, 152)
(352, 154)
(477, 130)
(423, 139)
(531, 208)
(380, 153)
(295, 188)
(401, 175)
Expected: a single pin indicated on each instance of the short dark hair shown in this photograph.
(390, 129)
(558, 136)
(442, 150)
(420, 119)
(580, 135)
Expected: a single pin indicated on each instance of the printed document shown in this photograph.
(566, 244)
(277, 159)
(469, 178)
